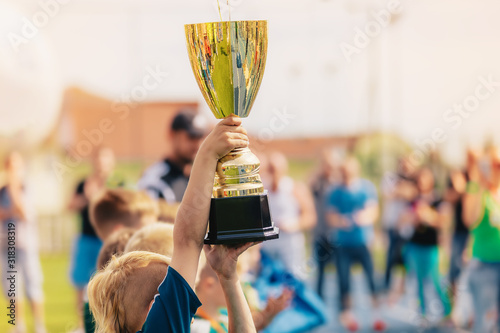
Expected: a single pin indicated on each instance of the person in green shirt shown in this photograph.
(481, 213)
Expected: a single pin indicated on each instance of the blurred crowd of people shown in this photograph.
(419, 221)
(342, 211)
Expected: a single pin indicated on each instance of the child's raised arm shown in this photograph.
(191, 222)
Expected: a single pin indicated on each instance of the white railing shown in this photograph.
(56, 233)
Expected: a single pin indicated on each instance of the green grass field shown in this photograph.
(60, 301)
(60, 296)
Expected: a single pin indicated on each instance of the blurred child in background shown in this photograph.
(211, 317)
(263, 314)
(422, 253)
(87, 245)
(293, 213)
(324, 248)
(352, 211)
(19, 235)
(398, 190)
(481, 214)
(283, 303)
(454, 195)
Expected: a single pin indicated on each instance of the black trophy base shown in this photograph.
(239, 220)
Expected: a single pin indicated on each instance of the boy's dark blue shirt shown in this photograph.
(174, 308)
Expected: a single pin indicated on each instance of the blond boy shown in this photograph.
(157, 237)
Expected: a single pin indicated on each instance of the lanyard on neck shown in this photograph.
(213, 323)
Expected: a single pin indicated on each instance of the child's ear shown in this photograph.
(117, 227)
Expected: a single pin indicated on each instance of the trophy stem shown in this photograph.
(238, 175)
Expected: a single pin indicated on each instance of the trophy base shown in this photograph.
(237, 220)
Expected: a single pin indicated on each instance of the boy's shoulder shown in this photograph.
(174, 307)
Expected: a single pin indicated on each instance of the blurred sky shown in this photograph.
(427, 59)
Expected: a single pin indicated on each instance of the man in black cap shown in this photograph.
(168, 179)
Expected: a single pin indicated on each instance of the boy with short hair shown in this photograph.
(114, 245)
(117, 294)
(157, 237)
(116, 208)
(110, 211)
(121, 293)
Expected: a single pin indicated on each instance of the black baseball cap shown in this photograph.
(189, 121)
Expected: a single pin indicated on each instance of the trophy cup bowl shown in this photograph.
(228, 60)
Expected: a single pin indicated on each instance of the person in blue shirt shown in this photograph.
(125, 297)
(352, 209)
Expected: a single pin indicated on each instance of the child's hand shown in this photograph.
(274, 306)
(91, 187)
(226, 136)
(277, 304)
(223, 259)
(4, 214)
(344, 223)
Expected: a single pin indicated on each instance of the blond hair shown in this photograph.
(119, 206)
(157, 237)
(167, 211)
(120, 294)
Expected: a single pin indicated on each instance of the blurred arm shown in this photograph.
(274, 306)
(406, 190)
(77, 202)
(333, 217)
(406, 218)
(307, 219)
(472, 208)
(472, 199)
(368, 215)
(18, 209)
(429, 215)
(336, 220)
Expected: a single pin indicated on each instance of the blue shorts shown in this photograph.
(84, 261)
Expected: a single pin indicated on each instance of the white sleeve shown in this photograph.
(200, 326)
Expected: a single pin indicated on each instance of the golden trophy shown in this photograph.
(228, 60)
